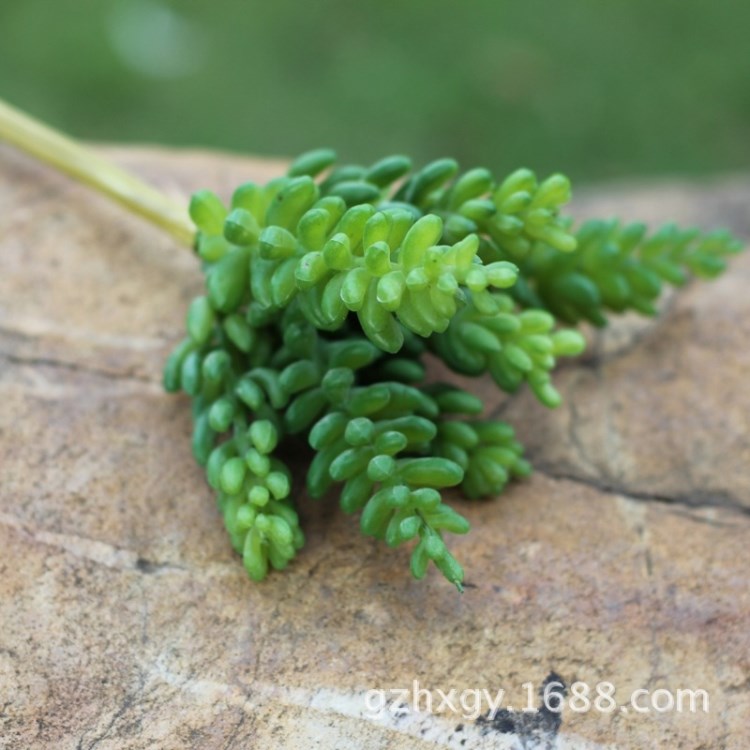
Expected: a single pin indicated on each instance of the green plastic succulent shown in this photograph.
(324, 290)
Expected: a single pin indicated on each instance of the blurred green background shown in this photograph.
(595, 88)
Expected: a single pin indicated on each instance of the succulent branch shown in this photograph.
(325, 288)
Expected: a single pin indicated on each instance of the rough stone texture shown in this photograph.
(127, 622)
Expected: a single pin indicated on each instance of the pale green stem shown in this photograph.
(63, 153)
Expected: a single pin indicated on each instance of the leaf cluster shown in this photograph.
(327, 289)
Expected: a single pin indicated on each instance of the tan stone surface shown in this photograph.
(127, 622)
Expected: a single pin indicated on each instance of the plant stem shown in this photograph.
(63, 153)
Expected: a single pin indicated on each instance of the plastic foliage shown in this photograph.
(325, 290)
(329, 288)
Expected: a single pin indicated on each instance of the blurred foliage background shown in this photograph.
(595, 88)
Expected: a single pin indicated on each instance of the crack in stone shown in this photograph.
(150, 567)
(93, 550)
(706, 499)
(76, 367)
(654, 654)
(229, 744)
(129, 701)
